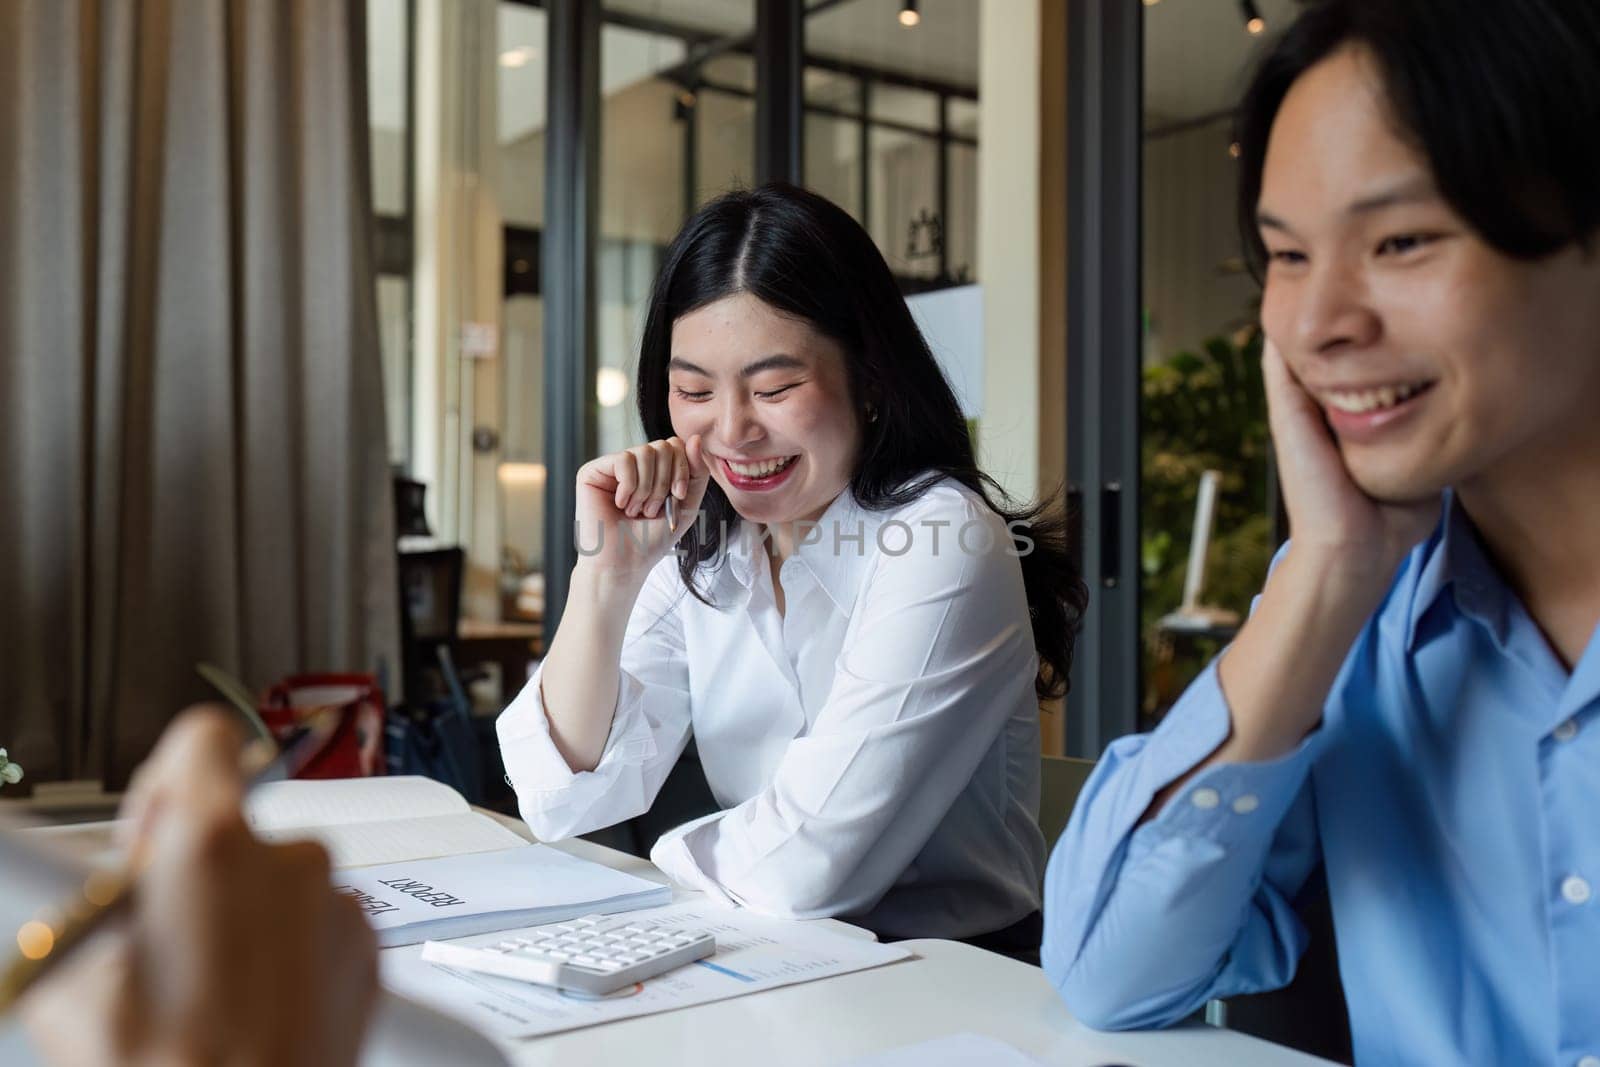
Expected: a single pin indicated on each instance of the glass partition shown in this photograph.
(1206, 516)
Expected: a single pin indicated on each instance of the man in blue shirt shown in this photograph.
(1414, 704)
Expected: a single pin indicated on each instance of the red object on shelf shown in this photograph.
(356, 748)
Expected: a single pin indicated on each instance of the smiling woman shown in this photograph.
(773, 392)
(806, 571)
(800, 278)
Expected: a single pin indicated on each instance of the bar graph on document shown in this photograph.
(753, 953)
(762, 956)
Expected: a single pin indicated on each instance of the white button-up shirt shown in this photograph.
(874, 747)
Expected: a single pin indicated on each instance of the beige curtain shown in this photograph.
(192, 449)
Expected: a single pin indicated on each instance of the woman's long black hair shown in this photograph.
(804, 256)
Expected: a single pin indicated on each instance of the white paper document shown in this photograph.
(753, 953)
(334, 801)
(957, 1050)
(454, 896)
(365, 843)
(363, 821)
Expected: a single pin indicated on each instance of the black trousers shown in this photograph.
(1020, 940)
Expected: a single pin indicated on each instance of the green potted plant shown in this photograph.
(10, 773)
(1201, 410)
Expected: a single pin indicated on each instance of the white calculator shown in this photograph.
(595, 954)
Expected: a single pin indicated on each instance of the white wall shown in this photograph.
(951, 320)
(1194, 283)
(1008, 241)
(458, 262)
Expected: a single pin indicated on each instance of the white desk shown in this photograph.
(949, 988)
(637, 866)
(946, 989)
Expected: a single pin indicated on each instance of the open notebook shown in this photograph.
(363, 821)
(430, 866)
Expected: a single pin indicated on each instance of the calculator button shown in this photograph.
(585, 961)
(610, 965)
(559, 954)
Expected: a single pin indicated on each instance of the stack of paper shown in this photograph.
(457, 896)
(425, 866)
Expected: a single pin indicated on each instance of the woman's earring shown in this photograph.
(872, 413)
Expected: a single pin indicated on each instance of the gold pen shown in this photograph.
(47, 938)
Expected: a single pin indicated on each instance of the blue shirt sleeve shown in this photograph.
(1144, 924)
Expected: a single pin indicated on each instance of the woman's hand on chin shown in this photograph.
(622, 527)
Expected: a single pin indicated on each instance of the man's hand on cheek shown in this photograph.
(1331, 519)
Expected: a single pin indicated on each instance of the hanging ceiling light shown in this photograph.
(610, 387)
(1253, 22)
(909, 15)
(519, 56)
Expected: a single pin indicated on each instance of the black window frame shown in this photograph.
(1105, 87)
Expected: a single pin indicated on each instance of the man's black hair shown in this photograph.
(1502, 97)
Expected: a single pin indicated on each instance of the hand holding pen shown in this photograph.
(630, 503)
(232, 950)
